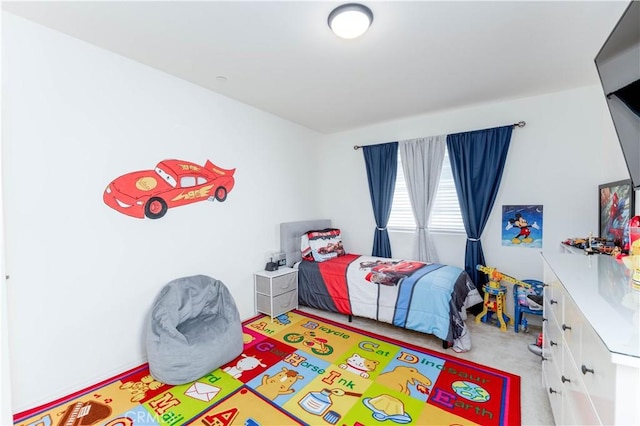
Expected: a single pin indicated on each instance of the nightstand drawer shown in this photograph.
(281, 304)
(278, 285)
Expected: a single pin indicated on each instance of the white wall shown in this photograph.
(566, 150)
(5, 380)
(83, 275)
(5, 372)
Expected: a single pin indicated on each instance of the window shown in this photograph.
(445, 214)
(187, 181)
(166, 177)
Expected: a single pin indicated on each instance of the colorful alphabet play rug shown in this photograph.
(302, 369)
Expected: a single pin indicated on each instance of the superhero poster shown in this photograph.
(616, 208)
(522, 226)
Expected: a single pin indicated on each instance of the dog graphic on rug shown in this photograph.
(359, 365)
(278, 384)
(401, 377)
(139, 389)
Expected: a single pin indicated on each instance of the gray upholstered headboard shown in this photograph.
(290, 233)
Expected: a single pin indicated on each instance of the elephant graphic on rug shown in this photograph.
(401, 377)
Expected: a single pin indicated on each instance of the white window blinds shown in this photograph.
(445, 215)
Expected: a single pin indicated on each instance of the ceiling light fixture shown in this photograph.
(350, 20)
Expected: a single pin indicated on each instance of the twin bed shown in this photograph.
(426, 297)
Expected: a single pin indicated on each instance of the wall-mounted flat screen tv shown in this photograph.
(618, 64)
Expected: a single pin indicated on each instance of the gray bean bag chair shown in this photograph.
(194, 329)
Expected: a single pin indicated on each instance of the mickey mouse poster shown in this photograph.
(522, 226)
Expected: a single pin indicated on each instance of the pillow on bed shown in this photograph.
(321, 245)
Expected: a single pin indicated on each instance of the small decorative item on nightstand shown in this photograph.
(271, 266)
(276, 292)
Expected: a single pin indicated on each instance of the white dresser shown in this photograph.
(591, 344)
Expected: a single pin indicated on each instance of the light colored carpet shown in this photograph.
(507, 351)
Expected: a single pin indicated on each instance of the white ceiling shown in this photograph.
(417, 57)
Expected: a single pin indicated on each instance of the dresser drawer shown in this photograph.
(552, 341)
(281, 303)
(553, 386)
(554, 298)
(598, 374)
(572, 327)
(578, 407)
(277, 285)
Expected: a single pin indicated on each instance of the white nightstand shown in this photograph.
(276, 292)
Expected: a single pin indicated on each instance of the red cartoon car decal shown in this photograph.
(173, 183)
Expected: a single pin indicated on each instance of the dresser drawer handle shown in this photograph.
(552, 343)
(552, 391)
(553, 301)
(564, 379)
(565, 327)
(586, 370)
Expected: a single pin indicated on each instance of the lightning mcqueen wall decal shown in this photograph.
(173, 183)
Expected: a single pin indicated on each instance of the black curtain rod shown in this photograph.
(518, 124)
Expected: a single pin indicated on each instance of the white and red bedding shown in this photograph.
(426, 297)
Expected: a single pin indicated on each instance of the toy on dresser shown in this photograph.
(631, 299)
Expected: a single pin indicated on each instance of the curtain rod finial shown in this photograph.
(356, 147)
(520, 124)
